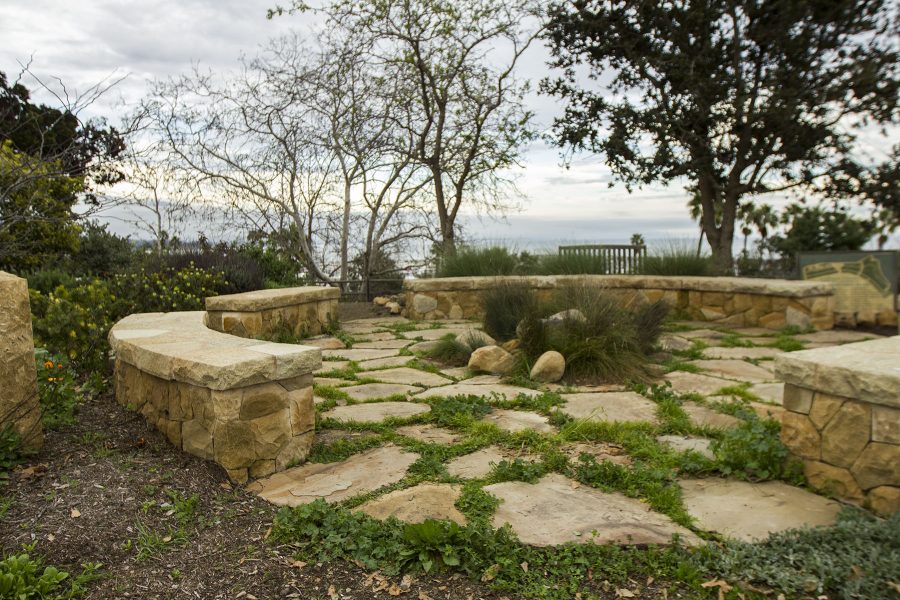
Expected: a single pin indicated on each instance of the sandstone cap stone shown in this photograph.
(258, 300)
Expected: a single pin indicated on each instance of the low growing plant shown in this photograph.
(754, 450)
(25, 577)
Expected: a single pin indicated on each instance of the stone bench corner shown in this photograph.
(298, 311)
(243, 403)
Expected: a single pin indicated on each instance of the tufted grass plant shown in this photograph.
(505, 306)
(676, 257)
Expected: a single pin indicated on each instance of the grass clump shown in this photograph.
(571, 264)
(505, 306)
(599, 337)
(456, 350)
(676, 257)
(478, 262)
(855, 558)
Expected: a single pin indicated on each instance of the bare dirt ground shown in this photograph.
(109, 489)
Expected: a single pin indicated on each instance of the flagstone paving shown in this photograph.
(735, 369)
(748, 511)
(375, 412)
(335, 482)
(406, 376)
(614, 407)
(554, 509)
(518, 420)
(374, 391)
(557, 510)
(418, 504)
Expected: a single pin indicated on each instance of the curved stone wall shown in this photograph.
(264, 314)
(243, 403)
(734, 301)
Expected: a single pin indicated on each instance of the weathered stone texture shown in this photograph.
(842, 417)
(19, 405)
(729, 301)
(261, 314)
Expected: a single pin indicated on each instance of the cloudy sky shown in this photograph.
(85, 41)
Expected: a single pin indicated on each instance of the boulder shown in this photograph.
(423, 304)
(511, 345)
(380, 300)
(456, 312)
(393, 308)
(492, 359)
(549, 367)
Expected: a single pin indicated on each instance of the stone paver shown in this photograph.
(754, 331)
(425, 347)
(738, 370)
(615, 407)
(373, 391)
(332, 365)
(332, 381)
(771, 411)
(381, 363)
(684, 443)
(457, 372)
(375, 412)
(704, 416)
(741, 353)
(518, 420)
(836, 336)
(407, 376)
(701, 334)
(476, 464)
(358, 354)
(696, 383)
(334, 482)
(507, 392)
(381, 336)
(557, 510)
(391, 344)
(325, 343)
(770, 392)
(674, 342)
(418, 504)
(748, 511)
(461, 334)
(430, 434)
(601, 451)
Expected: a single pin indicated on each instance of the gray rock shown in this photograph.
(549, 367)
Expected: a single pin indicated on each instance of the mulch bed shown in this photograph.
(101, 482)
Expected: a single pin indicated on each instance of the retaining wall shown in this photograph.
(734, 301)
(264, 314)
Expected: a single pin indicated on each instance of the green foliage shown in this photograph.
(456, 409)
(517, 470)
(816, 227)
(56, 390)
(676, 258)
(754, 450)
(100, 252)
(433, 545)
(787, 343)
(10, 451)
(855, 558)
(450, 350)
(75, 321)
(24, 577)
(602, 340)
(505, 306)
(475, 262)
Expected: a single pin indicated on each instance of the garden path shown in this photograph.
(557, 463)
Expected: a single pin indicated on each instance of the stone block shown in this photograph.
(423, 304)
(833, 480)
(302, 410)
(269, 433)
(886, 425)
(846, 434)
(237, 475)
(261, 400)
(226, 404)
(19, 405)
(885, 500)
(800, 436)
(797, 318)
(713, 299)
(824, 407)
(294, 451)
(878, 465)
(773, 320)
(262, 468)
(183, 397)
(197, 439)
(797, 399)
(234, 445)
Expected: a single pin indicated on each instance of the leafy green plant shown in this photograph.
(25, 577)
(432, 545)
(451, 411)
(56, 390)
(754, 450)
(517, 470)
(505, 306)
(857, 557)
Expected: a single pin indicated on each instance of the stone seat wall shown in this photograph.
(263, 314)
(734, 301)
(842, 419)
(243, 403)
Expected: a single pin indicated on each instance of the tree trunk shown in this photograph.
(723, 259)
(448, 236)
(345, 235)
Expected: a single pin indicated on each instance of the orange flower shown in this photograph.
(48, 364)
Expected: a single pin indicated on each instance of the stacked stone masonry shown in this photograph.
(732, 301)
(19, 405)
(244, 404)
(842, 419)
(264, 314)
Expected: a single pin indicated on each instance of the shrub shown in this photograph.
(600, 338)
(75, 320)
(571, 264)
(474, 262)
(754, 449)
(47, 280)
(505, 306)
(676, 258)
(101, 252)
(242, 273)
(25, 577)
(855, 558)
